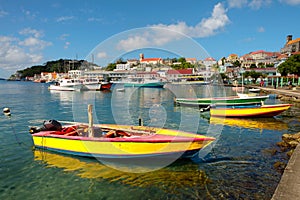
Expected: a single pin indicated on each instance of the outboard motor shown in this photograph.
(50, 125)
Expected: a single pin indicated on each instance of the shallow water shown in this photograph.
(238, 165)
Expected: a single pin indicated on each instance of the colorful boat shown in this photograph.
(231, 100)
(257, 111)
(117, 141)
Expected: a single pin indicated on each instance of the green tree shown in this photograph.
(111, 67)
(253, 66)
(236, 63)
(253, 74)
(290, 66)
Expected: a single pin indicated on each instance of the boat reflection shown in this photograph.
(172, 179)
(261, 123)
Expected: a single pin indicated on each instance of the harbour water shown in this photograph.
(239, 164)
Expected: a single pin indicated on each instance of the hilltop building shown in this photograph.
(209, 62)
(153, 61)
(291, 46)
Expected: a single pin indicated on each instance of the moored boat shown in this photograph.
(255, 111)
(117, 141)
(105, 86)
(90, 84)
(231, 100)
(254, 90)
(152, 84)
(67, 85)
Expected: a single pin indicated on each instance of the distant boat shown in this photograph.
(255, 111)
(90, 84)
(153, 83)
(78, 84)
(105, 86)
(67, 85)
(120, 89)
(231, 100)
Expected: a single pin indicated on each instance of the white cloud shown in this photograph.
(291, 2)
(30, 31)
(64, 36)
(237, 3)
(257, 4)
(261, 29)
(67, 44)
(206, 27)
(253, 4)
(93, 19)
(14, 56)
(17, 53)
(64, 18)
(34, 43)
(101, 55)
(163, 34)
(3, 13)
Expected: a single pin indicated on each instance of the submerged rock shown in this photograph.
(279, 166)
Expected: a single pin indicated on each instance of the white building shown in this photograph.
(123, 66)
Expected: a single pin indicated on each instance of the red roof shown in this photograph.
(150, 59)
(146, 73)
(210, 59)
(180, 71)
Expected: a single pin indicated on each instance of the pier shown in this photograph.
(280, 91)
(289, 185)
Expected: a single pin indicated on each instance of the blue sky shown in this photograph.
(34, 32)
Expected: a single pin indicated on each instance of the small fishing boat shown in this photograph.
(231, 100)
(116, 141)
(254, 90)
(252, 111)
(246, 94)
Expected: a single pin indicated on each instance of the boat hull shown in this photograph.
(234, 100)
(65, 88)
(151, 85)
(262, 111)
(164, 142)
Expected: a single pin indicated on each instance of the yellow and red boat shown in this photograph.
(256, 111)
(118, 141)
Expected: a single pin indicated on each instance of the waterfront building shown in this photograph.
(173, 74)
(259, 57)
(122, 66)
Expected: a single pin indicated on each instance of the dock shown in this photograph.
(279, 91)
(289, 185)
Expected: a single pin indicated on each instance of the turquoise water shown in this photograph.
(239, 165)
